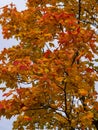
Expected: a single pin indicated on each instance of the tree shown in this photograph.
(50, 75)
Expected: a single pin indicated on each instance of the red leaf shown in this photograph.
(8, 94)
(47, 53)
(27, 118)
(16, 62)
(1, 106)
(23, 67)
(89, 70)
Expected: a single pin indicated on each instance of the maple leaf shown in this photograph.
(8, 93)
(27, 118)
(1, 106)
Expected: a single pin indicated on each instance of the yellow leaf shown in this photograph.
(24, 108)
(46, 70)
(83, 92)
(90, 115)
(51, 44)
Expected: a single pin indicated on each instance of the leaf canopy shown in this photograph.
(50, 75)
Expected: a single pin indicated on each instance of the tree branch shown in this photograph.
(79, 11)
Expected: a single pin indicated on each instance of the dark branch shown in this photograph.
(79, 13)
(95, 122)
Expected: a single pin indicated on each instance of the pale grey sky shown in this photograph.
(20, 4)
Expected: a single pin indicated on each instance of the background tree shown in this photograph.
(50, 75)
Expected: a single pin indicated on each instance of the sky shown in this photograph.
(20, 4)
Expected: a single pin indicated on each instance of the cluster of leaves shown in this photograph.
(50, 75)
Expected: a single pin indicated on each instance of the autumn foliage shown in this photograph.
(48, 80)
